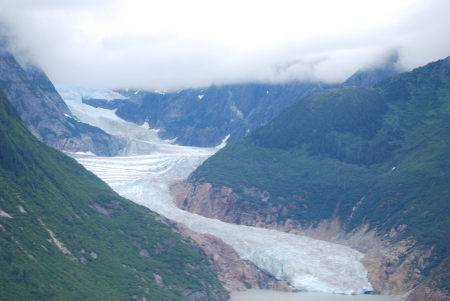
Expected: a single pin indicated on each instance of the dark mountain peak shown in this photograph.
(45, 113)
(368, 77)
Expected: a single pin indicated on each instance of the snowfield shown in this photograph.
(149, 165)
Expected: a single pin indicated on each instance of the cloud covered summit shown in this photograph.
(174, 45)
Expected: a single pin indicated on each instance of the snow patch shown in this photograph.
(171, 141)
(4, 214)
(224, 142)
(77, 94)
(137, 92)
(21, 209)
(200, 96)
(59, 244)
(85, 153)
(145, 126)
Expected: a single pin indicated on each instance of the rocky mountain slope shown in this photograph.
(45, 113)
(369, 77)
(65, 235)
(204, 117)
(366, 168)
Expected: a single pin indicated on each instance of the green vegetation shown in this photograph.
(385, 150)
(114, 247)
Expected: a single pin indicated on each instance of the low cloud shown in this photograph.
(82, 43)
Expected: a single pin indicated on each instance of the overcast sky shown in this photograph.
(169, 45)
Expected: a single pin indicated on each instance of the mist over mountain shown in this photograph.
(205, 117)
(363, 163)
(361, 167)
(46, 114)
(368, 77)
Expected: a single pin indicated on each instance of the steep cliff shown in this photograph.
(45, 113)
(365, 168)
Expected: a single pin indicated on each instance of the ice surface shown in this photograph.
(151, 165)
(139, 139)
(78, 93)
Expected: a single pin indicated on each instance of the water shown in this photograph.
(265, 295)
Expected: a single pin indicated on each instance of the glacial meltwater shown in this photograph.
(148, 166)
(265, 295)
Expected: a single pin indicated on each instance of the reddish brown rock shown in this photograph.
(392, 265)
(424, 293)
(234, 273)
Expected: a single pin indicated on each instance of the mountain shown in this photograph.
(45, 113)
(361, 167)
(65, 235)
(369, 77)
(204, 117)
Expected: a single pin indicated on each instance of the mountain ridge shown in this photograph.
(205, 116)
(326, 164)
(46, 114)
(65, 235)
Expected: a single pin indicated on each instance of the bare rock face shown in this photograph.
(45, 113)
(392, 264)
(220, 202)
(234, 273)
(390, 273)
(424, 293)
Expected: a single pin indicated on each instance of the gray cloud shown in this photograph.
(51, 34)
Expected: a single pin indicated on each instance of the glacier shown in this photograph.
(148, 166)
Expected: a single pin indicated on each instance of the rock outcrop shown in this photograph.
(234, 273)
(393, 265)
(222, 203)
(46, 115)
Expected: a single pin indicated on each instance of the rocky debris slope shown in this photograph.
(343, 159)
(391, 263)
(234, 273)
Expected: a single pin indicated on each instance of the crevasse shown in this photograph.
(149, 166)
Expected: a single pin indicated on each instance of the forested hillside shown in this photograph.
(377, 156)
(65, 235)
